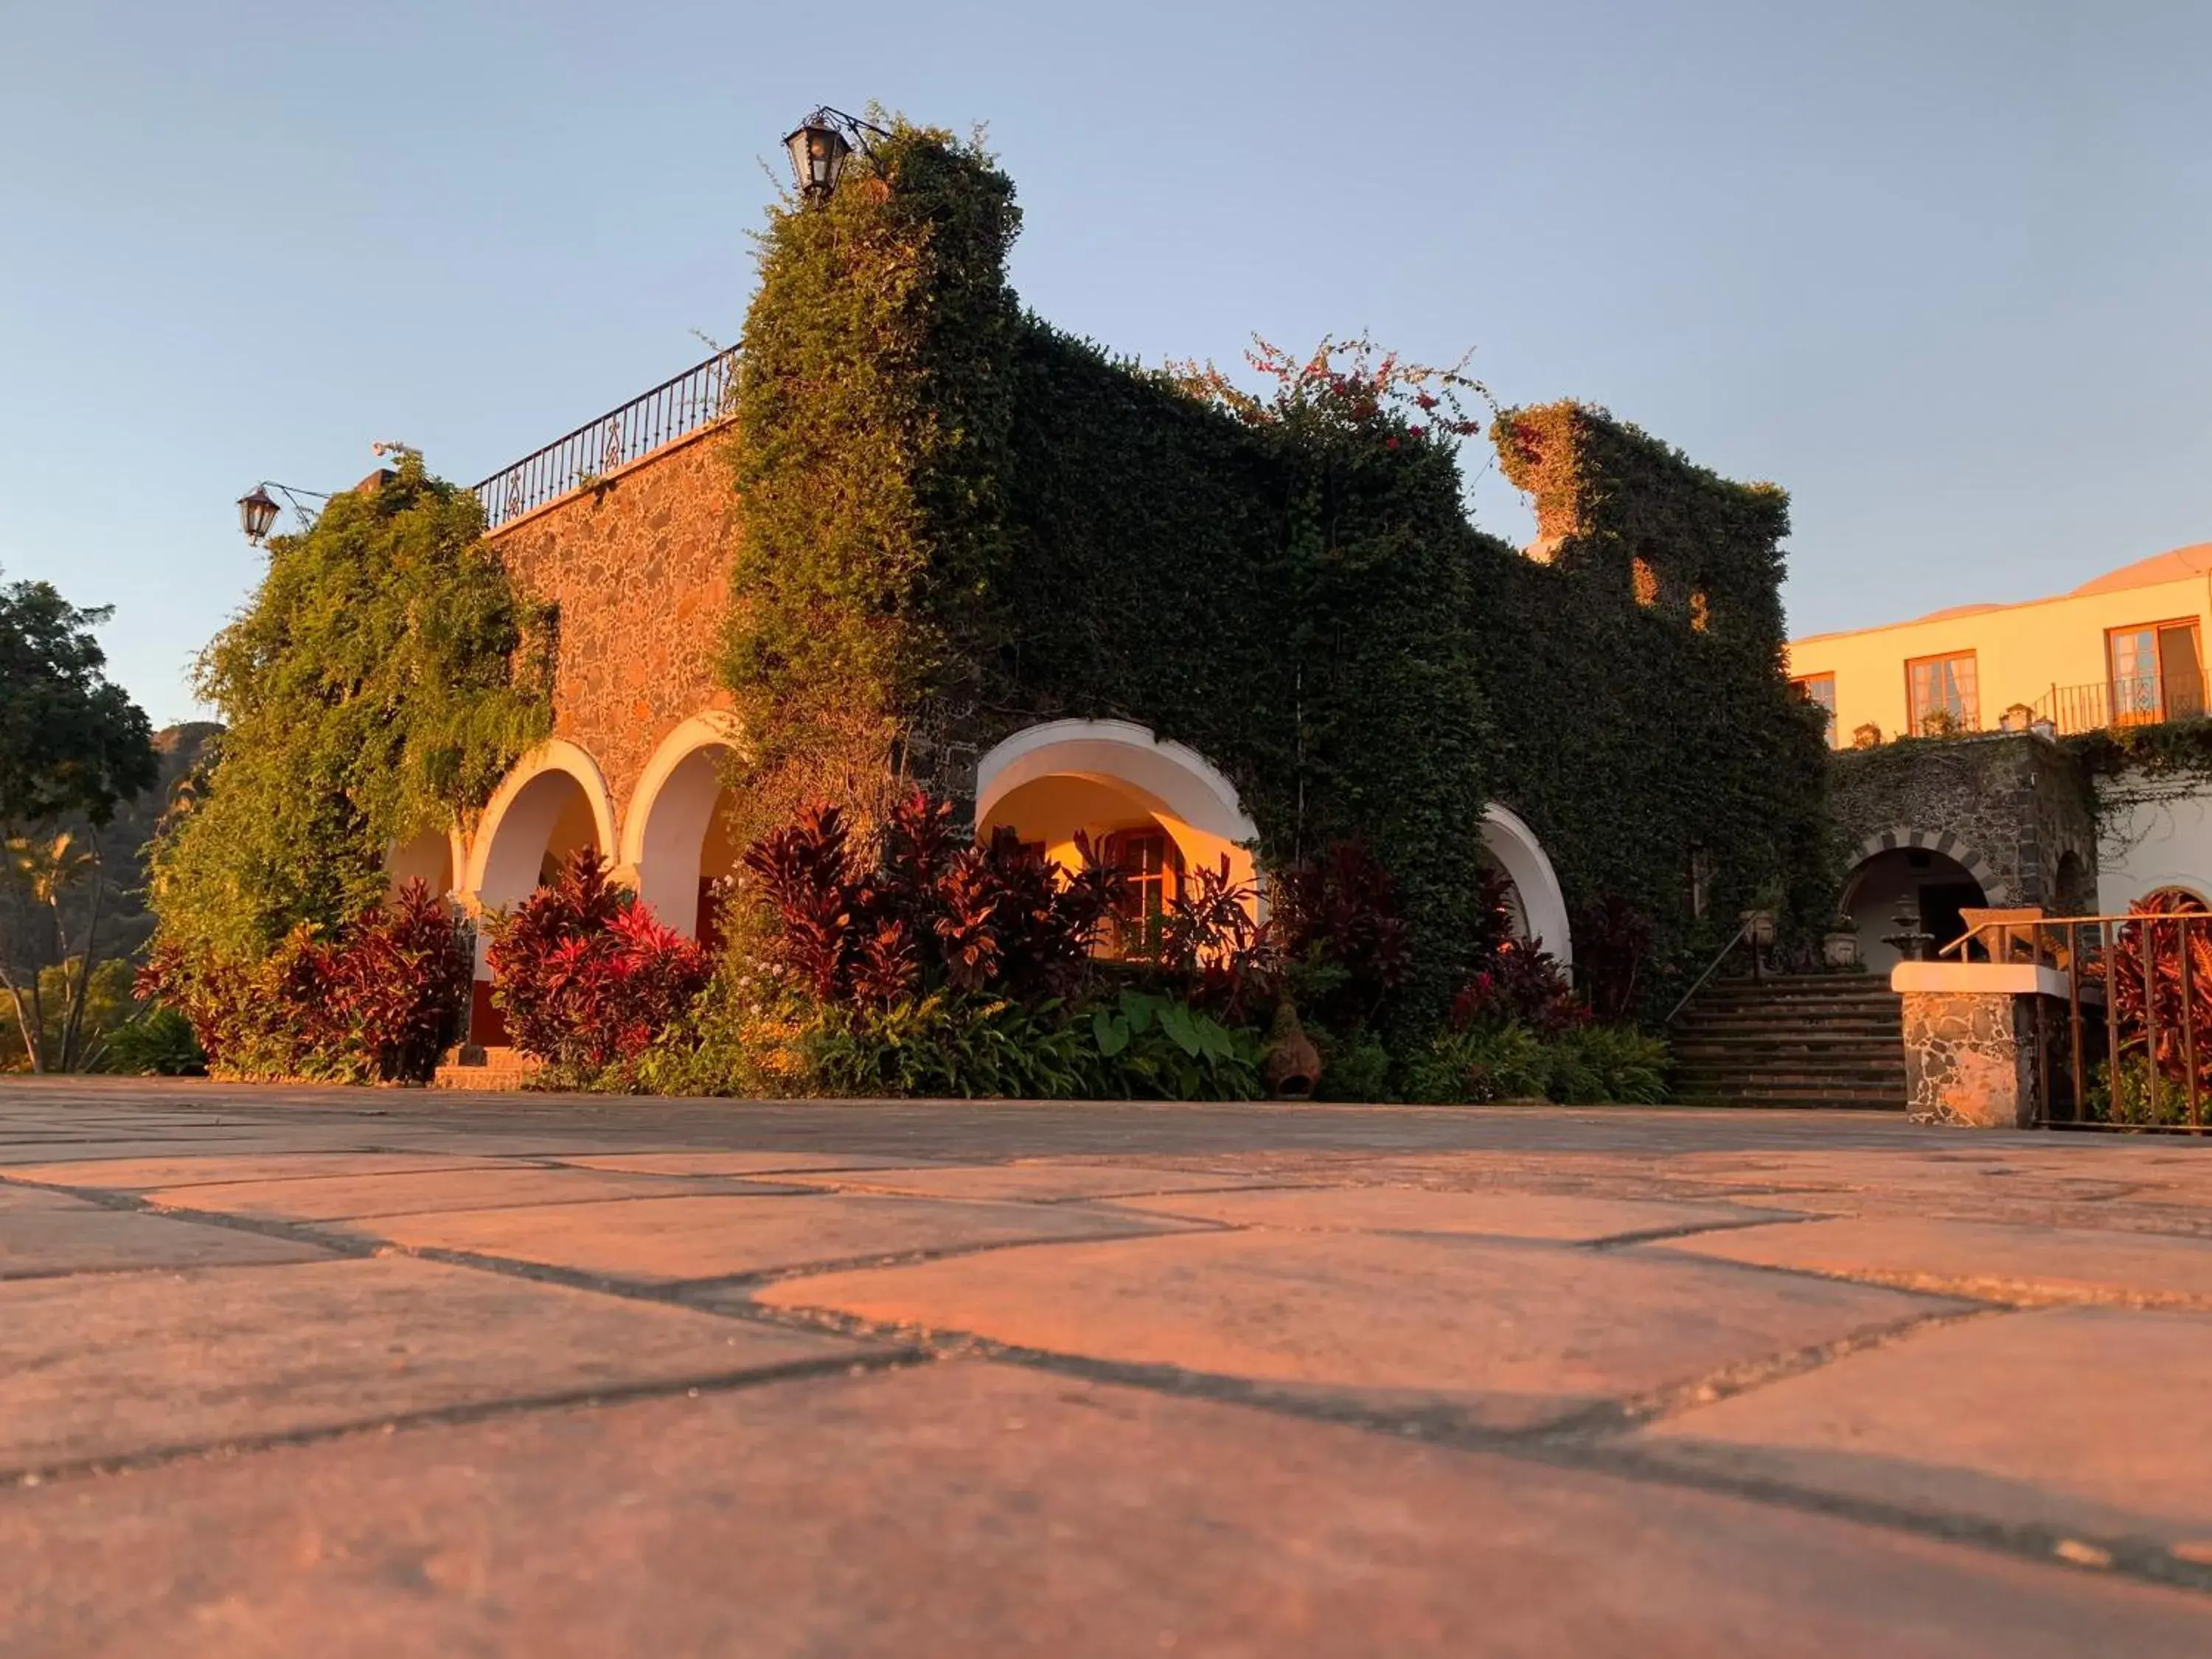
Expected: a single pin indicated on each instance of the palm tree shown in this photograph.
(38, 870)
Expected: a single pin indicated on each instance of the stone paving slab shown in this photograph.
(2091, 1419)
(131, 1363)
(1513, 1335)
(2013, 1263)
(732, 1163)
(971, 1509)
(146, 1175)
(338, 1198)
(664, 1240)
(1035, 1183)
(74, 1237)
(1573, 1218)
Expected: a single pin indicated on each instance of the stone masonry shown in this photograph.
(640, 568)
(2008, 805)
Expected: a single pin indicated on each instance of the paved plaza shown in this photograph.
(353, 1373)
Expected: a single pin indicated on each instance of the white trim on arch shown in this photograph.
(1180, 779)
(501, 872)
(1521, 856)
(670, 813)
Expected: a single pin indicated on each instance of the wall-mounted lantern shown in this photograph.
(257, 508)
(821, 146)
(257, 512)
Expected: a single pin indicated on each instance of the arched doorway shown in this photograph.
(1157, 809)
(1918, 873)
(677, 833)
(1538, 907)
(553, 804)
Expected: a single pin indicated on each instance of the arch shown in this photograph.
(1541, 907)
(435, 858)
(1181, 782)
(666, 831)
(519, 823)
(1907, 838)
(1154, 810)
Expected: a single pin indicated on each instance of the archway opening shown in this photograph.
(1535, 902)
(427, 858)
(540, 827)
(1914, 882)
(1155, 811)
(686, 844)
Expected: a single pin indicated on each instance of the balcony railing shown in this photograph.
(2128, 700)
(675, 409)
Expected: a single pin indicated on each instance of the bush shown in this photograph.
(380, 1004)
(586, 975)
(1584, 1066)
(156, 1043)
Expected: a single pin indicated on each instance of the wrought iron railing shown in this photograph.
(2127, 700)
(2136, 1047)
(675, 409)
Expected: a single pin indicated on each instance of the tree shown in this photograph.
(73, 746)
(69, 741)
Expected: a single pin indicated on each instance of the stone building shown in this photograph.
(1612, 725)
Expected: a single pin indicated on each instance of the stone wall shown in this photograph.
(640, 568)
(2009, 806)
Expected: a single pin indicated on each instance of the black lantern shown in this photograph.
(257, 512)
(818, 154)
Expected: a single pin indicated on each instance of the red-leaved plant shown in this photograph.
(586, 975)
(380, 1003)
(927, 909)
(2145, 986)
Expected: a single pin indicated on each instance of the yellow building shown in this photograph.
(2123, 649)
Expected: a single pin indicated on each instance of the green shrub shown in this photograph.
(1583, 1066)
(156, 1043)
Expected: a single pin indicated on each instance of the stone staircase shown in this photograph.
(1808, 1039)
(471, 1065)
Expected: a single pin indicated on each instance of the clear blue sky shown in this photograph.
(1941, 269)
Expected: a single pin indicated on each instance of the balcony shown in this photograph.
(676, 408)
(2125, 700)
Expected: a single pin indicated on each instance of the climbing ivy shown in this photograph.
(384, 676)
(869, 454)
(960, 521)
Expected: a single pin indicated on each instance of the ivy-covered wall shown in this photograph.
(1639, 644)
(960, 521)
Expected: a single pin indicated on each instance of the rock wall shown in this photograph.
(2012, 805)
(640, 570)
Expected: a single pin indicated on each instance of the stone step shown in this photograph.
(493, 1069)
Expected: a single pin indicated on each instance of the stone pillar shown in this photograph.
(1970, 1060)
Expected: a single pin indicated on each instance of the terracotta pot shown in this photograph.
(1291, 1065)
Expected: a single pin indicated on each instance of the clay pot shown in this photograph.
(1291, 1065)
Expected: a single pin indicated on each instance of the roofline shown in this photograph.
(1940, 619)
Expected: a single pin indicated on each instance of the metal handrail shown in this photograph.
(2119, 962)
(1742, 932)
(678, 407)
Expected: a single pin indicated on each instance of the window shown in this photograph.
(1701, 612)
(1698, 886)
(1643, 579)
(1943, 695)
(1819, 691)
(1150, 870)
(2157, 672)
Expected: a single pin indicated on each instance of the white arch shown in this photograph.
(510, 839)
(670, 813)
(1543, 906)
(1181, 780)
(435, 857)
